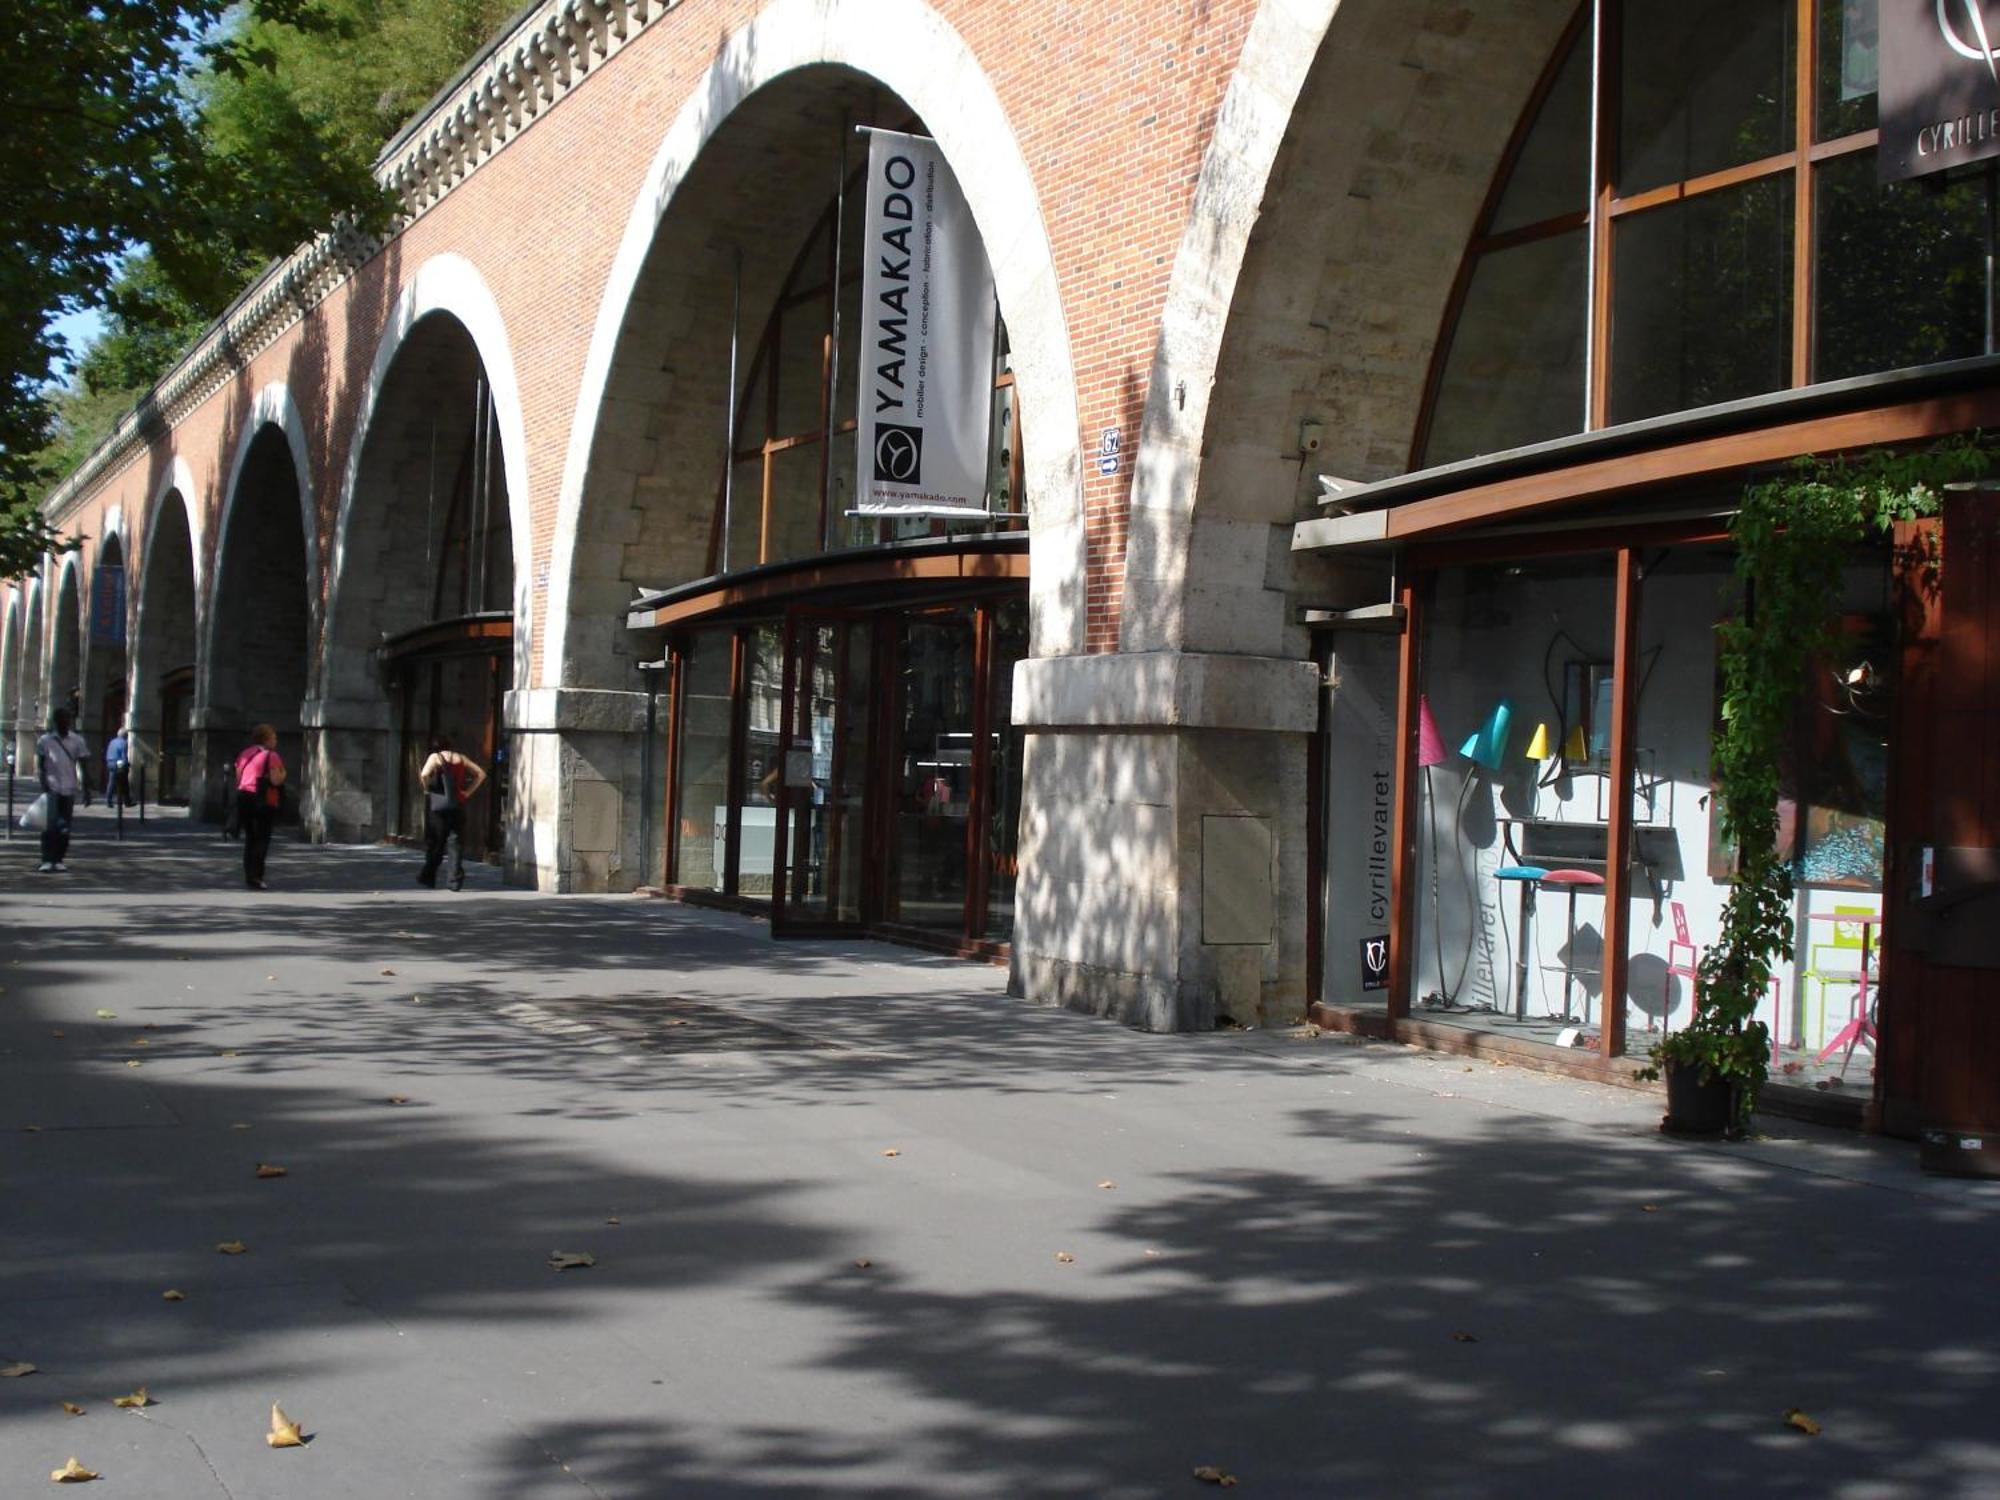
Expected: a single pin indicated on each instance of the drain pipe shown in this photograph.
(652, 670)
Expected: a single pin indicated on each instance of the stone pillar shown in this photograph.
(580, 785)
(349, 797)
(1163, 837)
(215, 735)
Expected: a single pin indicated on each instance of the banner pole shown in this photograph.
(729, 435)
(833, 360)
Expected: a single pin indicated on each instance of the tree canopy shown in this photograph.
(161, 153)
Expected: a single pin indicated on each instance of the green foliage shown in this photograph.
(216, 135)
(1794, 535)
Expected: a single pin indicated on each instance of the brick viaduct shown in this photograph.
(1210, 222)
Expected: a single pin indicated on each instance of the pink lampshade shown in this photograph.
(1430, 744)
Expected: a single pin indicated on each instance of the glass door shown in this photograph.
(823, 772)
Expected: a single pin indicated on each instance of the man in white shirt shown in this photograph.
(59, 758)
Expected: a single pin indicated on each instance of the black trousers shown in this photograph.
(255, 819)
(55, 837)
(440, 825)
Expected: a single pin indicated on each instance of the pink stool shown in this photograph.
(1574, 881)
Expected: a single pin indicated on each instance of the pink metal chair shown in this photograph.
(1689, 969)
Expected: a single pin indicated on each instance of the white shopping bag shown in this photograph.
(36, 818)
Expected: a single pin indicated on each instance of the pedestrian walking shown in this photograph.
(59, 758)
(260, 779)
(118, 769)
(449, 780)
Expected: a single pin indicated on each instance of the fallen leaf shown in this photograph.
(270, 978)
(72, 1408)
(284, 1431)
(231, 1052)
(389, 973)
(863, 1264)
(232, 1247)
(416, 999)
(1065, 1257)
(173, 1295)
(614, 1219)
(57, 1035)
(1464, 1338)
(134, 1401)
(1209, 1474)
(16, 1370)
(267, 1169)
(72, 1473)
(1150, 1254)
(152, 1026)
(1796, 1418)
(1107, 1184)
(32, 1129)
(571, 1260)
(892, 1151)
(399, 1098)
(139, 1041)
(238, 1125)
(1649, 1208)
(133, 1062)
(677, 1021)
(107, 1015)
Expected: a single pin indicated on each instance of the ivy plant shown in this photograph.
(1794, 535)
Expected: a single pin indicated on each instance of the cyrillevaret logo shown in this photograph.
(1971, 15)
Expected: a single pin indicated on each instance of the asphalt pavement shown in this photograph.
(863, 1225)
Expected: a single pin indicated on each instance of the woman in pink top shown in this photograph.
(260, 773)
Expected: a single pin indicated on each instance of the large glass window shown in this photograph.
(1711, 283)
(791, 473)
(1701, 306)
(702, 802)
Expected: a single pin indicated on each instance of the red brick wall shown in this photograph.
(1112, 106)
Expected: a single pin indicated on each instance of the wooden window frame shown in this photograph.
(1607, 208)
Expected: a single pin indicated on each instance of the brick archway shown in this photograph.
(1350, 160)
(254, 660)
(445, 350)
(908, 48)
(167, 615)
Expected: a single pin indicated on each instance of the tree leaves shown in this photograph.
(73, 1473)
(138, 1400)
(17, 1369)
(571, 1260)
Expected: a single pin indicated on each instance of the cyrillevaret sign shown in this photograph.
(1940, 90)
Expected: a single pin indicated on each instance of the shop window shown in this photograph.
(791, 477)
(1702, 260)
(756, 813)
(1902, 269)
(1701, 308)
(1703, 85)
(1516, 369)
(1831, 822)
(1511, 814)
(702, 831)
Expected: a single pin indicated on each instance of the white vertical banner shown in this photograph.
(927, 313)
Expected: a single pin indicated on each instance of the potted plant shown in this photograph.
(1794, 536)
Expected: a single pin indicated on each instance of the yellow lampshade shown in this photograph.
(1575, 748)
(1538, 747)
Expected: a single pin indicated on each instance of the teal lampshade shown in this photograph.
(1486, 744)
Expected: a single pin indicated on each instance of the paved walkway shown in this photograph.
(865, 1226)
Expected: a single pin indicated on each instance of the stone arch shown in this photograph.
(254, 658)
(1350, 159)
(26, 709)
(11, 631)
(63, 679)
(439, 460)
(907, 48)
(166, 633)
(445, 287)
(104, 658)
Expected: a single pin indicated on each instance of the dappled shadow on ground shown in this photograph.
(1274, 1283)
